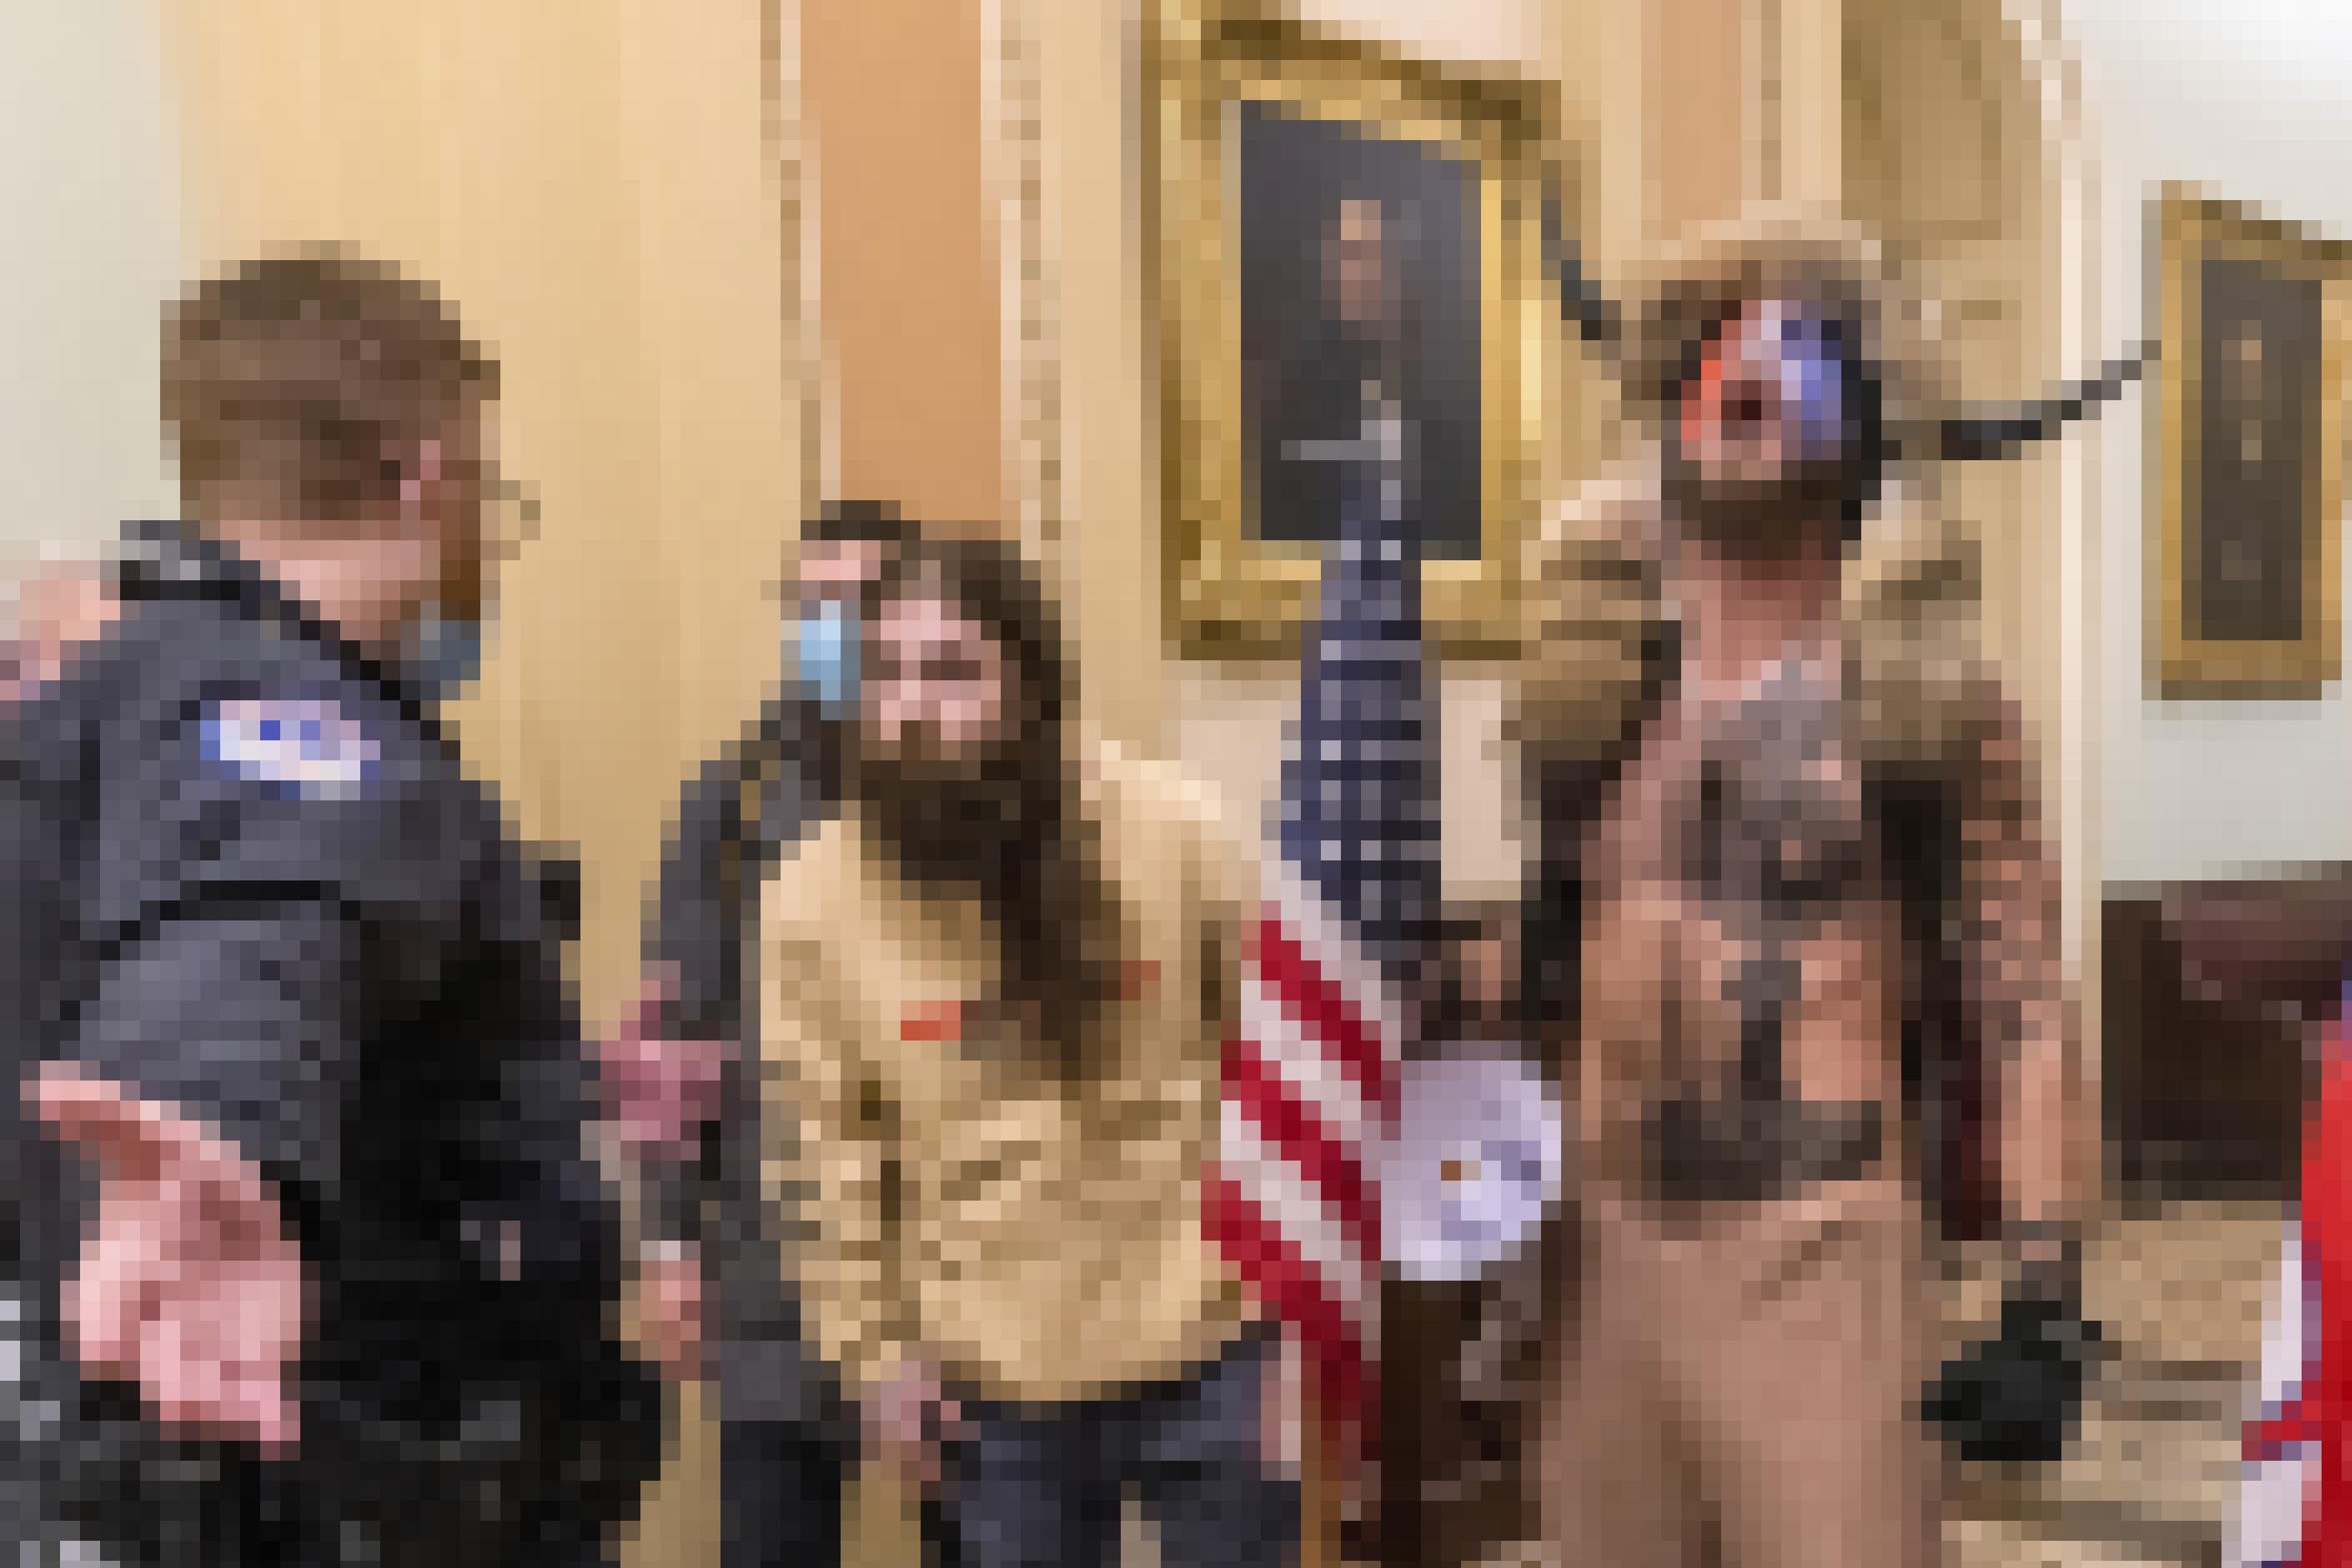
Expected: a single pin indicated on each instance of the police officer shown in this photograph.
(688, 1093)
(314, 1266)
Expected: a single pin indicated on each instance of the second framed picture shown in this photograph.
(2247, 476)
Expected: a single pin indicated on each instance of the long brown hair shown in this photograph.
(1041, 878)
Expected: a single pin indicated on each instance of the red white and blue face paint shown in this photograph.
(1773, 384)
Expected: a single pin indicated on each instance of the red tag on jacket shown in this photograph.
(941, 1023)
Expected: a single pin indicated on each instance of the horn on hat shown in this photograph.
(1594, 315)
(1988, 430)
(1976, 432)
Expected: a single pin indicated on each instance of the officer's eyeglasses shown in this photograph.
(509, 517)
(510, 508)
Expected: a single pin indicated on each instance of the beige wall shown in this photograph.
(1700, 55)
(89, 201)
(909, 259)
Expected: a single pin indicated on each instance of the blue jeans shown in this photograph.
(1041, 1486)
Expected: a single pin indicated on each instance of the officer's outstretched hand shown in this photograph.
(189, 1283)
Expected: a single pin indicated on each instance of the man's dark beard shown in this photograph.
(1003, 828)
(1801, 510)
(960, 824)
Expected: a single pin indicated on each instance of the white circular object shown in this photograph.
(1472, 1165)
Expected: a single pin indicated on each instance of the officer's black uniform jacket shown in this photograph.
(361, 983)
(735, 816)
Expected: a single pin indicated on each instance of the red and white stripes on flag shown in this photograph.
(1309, 1084)
(2268, 1527)
(2295, 1504)
(1311, 1070)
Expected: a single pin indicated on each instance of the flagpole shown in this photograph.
(1317, 1498)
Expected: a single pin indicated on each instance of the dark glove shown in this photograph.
(2015, 1398)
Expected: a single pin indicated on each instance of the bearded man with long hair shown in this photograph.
(994, 994)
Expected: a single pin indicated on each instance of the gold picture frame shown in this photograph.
(2227, 625)
(1231, 593)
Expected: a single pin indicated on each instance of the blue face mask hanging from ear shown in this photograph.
(822, 644)
(444, 650)
(445, 653)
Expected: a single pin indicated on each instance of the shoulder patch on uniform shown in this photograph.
(313, 748)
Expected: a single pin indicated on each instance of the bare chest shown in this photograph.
(1743, 959)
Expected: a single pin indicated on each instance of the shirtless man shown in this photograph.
(1747, 1329)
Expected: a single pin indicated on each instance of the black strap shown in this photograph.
(1568, 801)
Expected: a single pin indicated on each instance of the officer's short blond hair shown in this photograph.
(294, 384)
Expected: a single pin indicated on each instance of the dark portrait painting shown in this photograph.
(2260, 343)
(1359, 273)
(1356, 323)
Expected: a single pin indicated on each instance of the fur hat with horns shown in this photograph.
(1912, 584)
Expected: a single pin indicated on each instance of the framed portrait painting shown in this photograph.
(1328, 217)
(2248, 472)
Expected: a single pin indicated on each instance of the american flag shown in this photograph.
(1310, 1072)
(2294, 1505)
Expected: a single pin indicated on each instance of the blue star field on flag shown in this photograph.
(1359, 824)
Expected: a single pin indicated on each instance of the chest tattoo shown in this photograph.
(1770, 835)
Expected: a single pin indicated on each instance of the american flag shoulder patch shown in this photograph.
(310, 747)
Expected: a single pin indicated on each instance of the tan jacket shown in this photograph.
(1044, 1244)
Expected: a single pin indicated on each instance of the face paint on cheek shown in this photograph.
(1702, 412)
(1810, 368)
